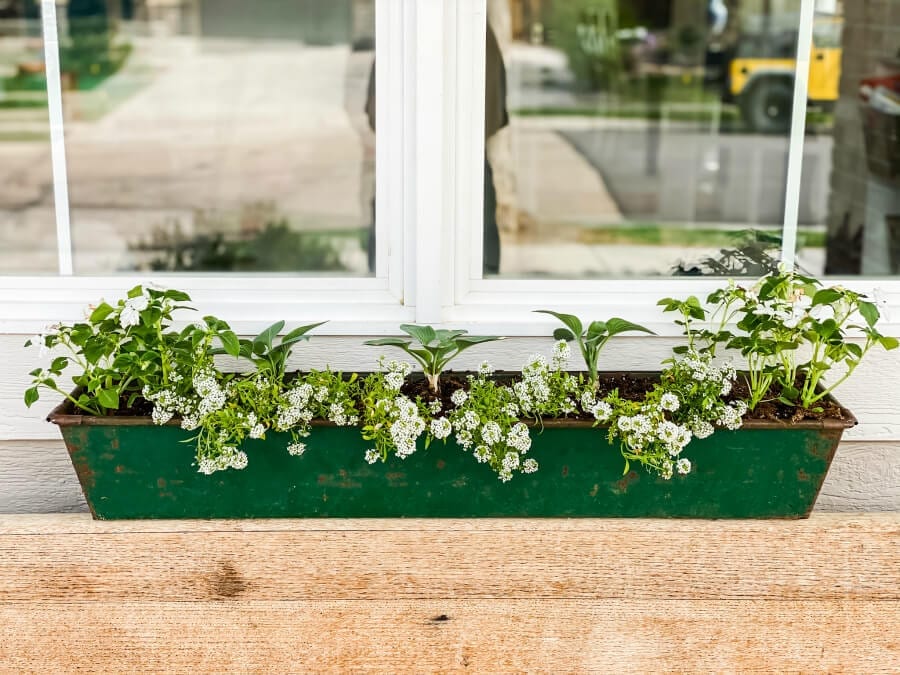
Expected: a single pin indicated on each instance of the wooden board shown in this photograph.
(477, 595)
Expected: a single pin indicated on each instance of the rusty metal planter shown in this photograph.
(130, 468)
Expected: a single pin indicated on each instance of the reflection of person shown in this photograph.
(495, 118)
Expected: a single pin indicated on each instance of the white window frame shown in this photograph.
(504, 305)
(430, 108)
(249, 302)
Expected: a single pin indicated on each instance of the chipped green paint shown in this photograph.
(131, 469)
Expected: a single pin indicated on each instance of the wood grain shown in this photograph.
(452, 635)
(817, 559)
(427, 595)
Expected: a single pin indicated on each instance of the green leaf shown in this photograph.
(177, 296)
(300, 333)
(403, 343)
(627, 466)
(596, 329)
(424, 334)
(31, 396)
(265, 338)
(230, 343)
(109, 398)
(563, 334)
(136, 291)
(467, 341)
(573, 323)
(616, 326)
(889, 342)
(869, 312)
(826, 296)
(102, 311)
(59, 364)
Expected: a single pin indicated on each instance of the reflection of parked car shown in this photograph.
(761, 75)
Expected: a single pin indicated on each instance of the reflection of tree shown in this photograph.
(274, 247)
(754, 256)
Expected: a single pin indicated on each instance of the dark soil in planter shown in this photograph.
(634, 386)
(630, 385)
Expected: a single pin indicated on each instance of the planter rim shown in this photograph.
(64, 415)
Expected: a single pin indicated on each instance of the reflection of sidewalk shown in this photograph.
(224, 124)
(555, 185)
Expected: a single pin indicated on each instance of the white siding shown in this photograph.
(36, 475)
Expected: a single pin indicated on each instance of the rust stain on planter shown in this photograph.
(628, 479)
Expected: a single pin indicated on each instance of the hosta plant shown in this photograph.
(592, 339)
(433, 349)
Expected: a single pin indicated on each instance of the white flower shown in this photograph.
(372, 455)
(435, 406)
(601, 411)
(702, 428)
(239, 460)
(139, 302)
(207, 466)
(394, 380)
(511, 461)
(258, 431)
(459, 397)
(518, 438)
(482, 453)
(441, 428)
(529, 466)
(669, 401)
(490, 433)
(561, 354)
(129, 316)
(161, 415)
(296, 449)
(822, 313)
(485, 368)
(683, 466)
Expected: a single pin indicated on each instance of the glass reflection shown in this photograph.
(27, 220)
(218, 135)
(856, 175)
(645, 138)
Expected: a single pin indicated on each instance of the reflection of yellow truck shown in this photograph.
(761, 76)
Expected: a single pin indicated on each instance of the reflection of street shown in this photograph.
(223, 124)
(671, 165)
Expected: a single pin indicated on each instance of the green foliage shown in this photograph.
(433, 349)
(778, 322)
(268, 353)
(276, 247)
(120, 350)
(591, 341)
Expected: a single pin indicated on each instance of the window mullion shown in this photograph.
(798, 134)
(57, 136)
(428, 178)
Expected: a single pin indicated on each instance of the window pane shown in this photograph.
(637, 138)
(854, 169)
(219, 135)
(27, 219)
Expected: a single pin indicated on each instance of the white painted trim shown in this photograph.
(57, 136)
(429, 159)
(798, 134)
(358, 305)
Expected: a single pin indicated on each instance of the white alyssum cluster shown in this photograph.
(441, 428)
(459, 398)
(534, 390)
(296, 407)
(229, 458)
(406, 427)
(396, 373)
(601, 410)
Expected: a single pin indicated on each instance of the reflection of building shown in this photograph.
(864, 208)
